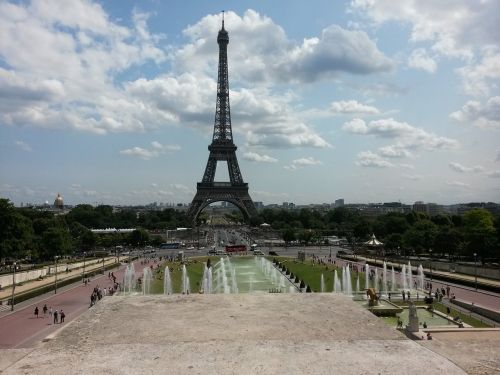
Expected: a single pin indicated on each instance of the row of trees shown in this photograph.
(27, 233)
(39, 235)
(477, 231)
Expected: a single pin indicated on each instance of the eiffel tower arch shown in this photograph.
(222, 148)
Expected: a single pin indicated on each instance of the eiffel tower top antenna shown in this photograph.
(223, 19)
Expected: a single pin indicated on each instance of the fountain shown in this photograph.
(348, 282)
(337, 287)
(129, 282)
(403, 278)
(421, 277)
(206, 283)
(367, 276)
(185, 281)
(384, 278)
(357, 284)
(410, 277)
(167, 282)
(322, 284)
(393, 279)
(147, 276)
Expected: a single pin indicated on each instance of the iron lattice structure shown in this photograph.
(222, 148)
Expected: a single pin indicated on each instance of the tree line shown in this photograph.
(38, 235)
(452, 236)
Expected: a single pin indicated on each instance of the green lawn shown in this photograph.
(311, 274)
(194, 269)
(465, 318)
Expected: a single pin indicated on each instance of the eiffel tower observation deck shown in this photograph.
(222, 148)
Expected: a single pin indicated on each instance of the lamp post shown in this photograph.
(55, 279)
(102, 265)
(475, 268)
(13, 288)
(430, 266)
(83, 273)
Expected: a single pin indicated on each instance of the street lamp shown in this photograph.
(55, 280)
(13, 288)
(430, 266)
(475, 267)
(83, 274)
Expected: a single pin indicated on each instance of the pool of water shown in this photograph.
(432, 319)
(252, 275)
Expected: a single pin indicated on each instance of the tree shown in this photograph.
(55, 241)
(480, 233)
(139, 237)
(16, 232)
(288, 236)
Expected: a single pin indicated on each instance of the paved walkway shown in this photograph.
(21, 329)
(6, 293)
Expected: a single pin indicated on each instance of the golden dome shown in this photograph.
(59, 201)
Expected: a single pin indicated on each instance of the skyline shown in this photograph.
(370, 101)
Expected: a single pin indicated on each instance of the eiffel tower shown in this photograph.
(222, 148)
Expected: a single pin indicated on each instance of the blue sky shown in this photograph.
(368, 100)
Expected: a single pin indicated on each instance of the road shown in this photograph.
(21, 329)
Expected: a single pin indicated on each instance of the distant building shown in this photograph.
(58, 202)
(339, 202)
(258, 205)
(420, 206)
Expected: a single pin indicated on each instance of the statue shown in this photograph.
(370, 292)
(413, 318)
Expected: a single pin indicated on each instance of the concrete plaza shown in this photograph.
(235, 334)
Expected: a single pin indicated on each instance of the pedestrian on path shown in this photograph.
(44, 310)
(55, 316)
(50, 312)
(63, 315)
(36, 311)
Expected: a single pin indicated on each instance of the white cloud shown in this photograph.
(302, 162)
(498, 156)
(462, 29)
(419, 59)
(482, 115)
(407, 136)
(494, 174)
(24, 146)
(352, 107)
(413, 177)
(336, 50)
(146, 154)
(457, 167)
(394, 151)
(79, 93)
(407, 166)
(252, 156)
(370, 159)
(457, 184)
(479, 77)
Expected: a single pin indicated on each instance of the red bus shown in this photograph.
(235, 248)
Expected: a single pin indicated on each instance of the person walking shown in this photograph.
(50, 312)
(62, 315)
(55, 316)
(36, 311)
(45, 310)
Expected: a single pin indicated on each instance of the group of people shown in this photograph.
(57, 316)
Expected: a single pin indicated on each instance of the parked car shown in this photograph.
(273, 253)
(258, 252)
